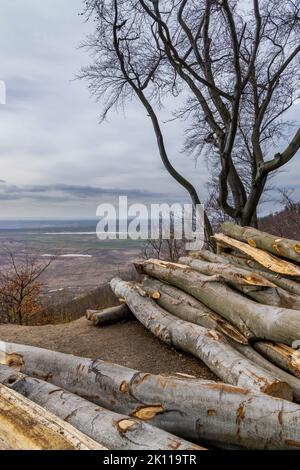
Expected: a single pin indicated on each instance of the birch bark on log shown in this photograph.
(216, 412)
(280, 354)
(186, 307)
(262, 321)
(265, 259)
(112, 430)
(277, 245)
(27, 426)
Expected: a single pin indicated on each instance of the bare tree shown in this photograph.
(20, 285)
(231, 64)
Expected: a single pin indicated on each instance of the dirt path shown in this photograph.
(128, 344)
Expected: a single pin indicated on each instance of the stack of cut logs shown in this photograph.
(238, 311)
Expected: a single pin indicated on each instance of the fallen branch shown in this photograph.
(112, 430)
(215, 412)
(277, 245)
(27, 426)
(254, 320)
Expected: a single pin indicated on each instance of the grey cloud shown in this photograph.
(63, 192)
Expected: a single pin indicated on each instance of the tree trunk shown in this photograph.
(27, 426)
(195, 409)
(207, 345)
(187, 308)
(109, 315)
(267, 260)
(254, 320)
(112, 430)
(277, 296)
(287, 284)
(280, 354)
(258, 359)
(252, 284)
(277, 245)
(231, 274)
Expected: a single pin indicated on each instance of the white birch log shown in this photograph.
(277, 245)
(186, 307)
(263, 321)
(112, 430)
(195, 409)
(27, 426)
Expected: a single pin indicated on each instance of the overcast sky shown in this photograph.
(55, 159)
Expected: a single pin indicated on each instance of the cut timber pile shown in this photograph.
(238, 311)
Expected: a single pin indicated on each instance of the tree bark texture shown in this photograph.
(195, 409)
(277, 245)
(112, 430)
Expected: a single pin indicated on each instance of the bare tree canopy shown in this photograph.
(234, 67)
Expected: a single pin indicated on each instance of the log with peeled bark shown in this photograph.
(207, 345)
(109, 315)
(280, 354)
(254, 320)
(265, 259)
(186, 307)
(27, 426)
(112, 430)
(231, 274)
(215, 412)
(277, 245)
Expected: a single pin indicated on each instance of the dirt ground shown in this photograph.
(128, 344)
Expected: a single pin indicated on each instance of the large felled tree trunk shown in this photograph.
(250, 283)
(287, 284)
(207, 345)
(265, 259)
(277, 245)
(231, 274)
(249, 352)
(244, 313)
(280, 354)
(216, 412)
(112, 430)
(186, 307)
(27, 426)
